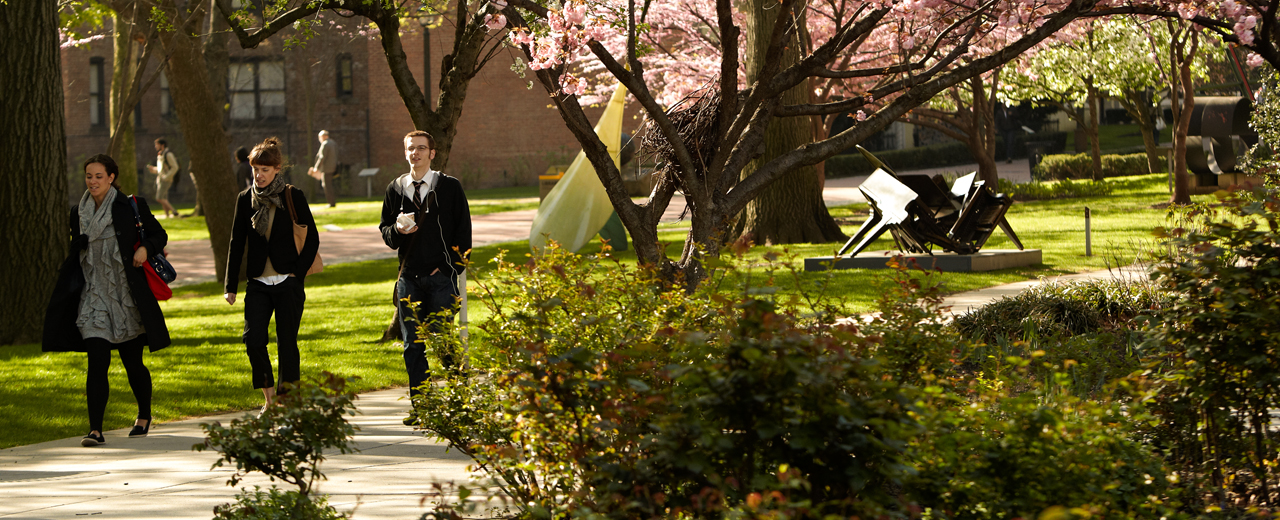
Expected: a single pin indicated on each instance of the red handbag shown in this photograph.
(158, 287)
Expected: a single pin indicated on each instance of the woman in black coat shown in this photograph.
(276, 267)
(102, 301)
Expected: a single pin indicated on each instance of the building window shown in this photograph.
(166, 102)
(256, 90)
(346, 85)
(97, 108)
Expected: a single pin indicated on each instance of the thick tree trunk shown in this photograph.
(200, 117)
(791, 210)
(1094, 149)
(124, 58)
(33, 196)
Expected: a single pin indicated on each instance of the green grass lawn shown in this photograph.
(348, 305)
(354, 212)
(1119, 137)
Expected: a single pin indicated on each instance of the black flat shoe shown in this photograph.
(411, 420)
(140, 431)
(92, 440)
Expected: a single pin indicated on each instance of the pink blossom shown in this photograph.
(521, 37)
(598, 32)
(909, 43)
(557, 22)
(68, 42)
(1244, 29)
(1187, 11)
(495, 22)
(500, 4)
(861, 116)
(575, 14)
(1254, 60)
(1232, 9)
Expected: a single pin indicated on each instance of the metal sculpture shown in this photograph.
(921, 214)
(1219, 134)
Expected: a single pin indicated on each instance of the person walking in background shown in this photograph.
(426, 217)
(102, 301)
(276, 268)
(244, 171)
(326, 165)
(166, 169)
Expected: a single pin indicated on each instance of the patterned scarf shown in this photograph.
(265, 200)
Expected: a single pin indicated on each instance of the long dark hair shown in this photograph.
(107, 162)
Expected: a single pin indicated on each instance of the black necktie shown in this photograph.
(417, 195)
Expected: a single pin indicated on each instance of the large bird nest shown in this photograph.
(696, 119)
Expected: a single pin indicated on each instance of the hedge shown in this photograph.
(1080, 166)
(935, 156)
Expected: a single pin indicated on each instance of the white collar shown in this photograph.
(405, 182)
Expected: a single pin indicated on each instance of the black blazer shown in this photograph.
(285, 257)
(60, 331)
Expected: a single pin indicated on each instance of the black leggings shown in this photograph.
(97, 386)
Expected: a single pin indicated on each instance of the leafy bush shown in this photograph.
(1219, 374)
(609, 395)
(1262, 159)
(996, 455)
(1126, 165)
(286, 442)
(1094, 329)
(274, 504)
(1069, 308)
(1064, 189)
(1080, 166)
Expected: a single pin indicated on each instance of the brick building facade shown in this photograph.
(340, 82)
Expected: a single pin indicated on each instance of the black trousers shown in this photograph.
(97, 385)
(436, 299)
(285, 300)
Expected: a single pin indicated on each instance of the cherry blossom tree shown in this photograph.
(928, 46)
(1251, 24)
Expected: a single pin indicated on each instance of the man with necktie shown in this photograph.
(426, 218)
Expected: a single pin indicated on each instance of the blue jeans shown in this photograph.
(436, 298)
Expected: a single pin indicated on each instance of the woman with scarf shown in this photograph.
(276, 268)
(102, 301)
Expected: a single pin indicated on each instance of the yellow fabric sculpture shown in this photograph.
(578, 206)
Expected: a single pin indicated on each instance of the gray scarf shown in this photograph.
(265, 200)
(107, 309)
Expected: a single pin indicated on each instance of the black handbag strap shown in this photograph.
(137, 217)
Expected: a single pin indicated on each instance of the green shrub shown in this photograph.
(1080, 166)
(1126, 165)
(274, 504)
(607, 394)
(1064, 308)
(1218, 377)
(1036, 454)
(1094, 327)
(286, 442)
(1064, 189)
